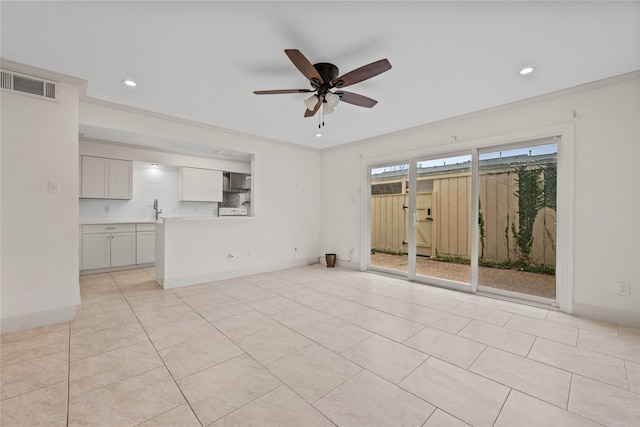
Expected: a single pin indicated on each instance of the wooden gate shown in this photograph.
(424, 230)
(390, 223)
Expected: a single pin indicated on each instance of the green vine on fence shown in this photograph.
(550, 185)
(531, 199)
(481, 229)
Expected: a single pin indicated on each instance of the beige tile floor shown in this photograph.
(315, 347)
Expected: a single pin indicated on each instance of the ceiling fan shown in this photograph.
(323, 78)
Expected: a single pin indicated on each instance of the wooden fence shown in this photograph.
(445, 220)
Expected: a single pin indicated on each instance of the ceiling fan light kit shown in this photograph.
(324, 78)
(310, 102)
(332, 99)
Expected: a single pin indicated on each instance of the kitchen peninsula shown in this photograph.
(199, 250)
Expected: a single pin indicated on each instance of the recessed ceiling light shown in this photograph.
(130, 83)
(155, 165)
(318, 135)
(527, 70)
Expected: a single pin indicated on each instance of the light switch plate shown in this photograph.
(54, 186)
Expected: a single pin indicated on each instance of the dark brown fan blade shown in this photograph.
(303, 64)
(279, 91)
(355, 99)
(363, 73)
(311, 113)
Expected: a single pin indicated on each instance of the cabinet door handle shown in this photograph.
(110, 228)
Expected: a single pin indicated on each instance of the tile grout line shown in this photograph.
(69, 377)
(513, 388)
(577, 373)
(502, 406)
(398, 385)
(163, 362)
(570, 390)
(415, 369)
(535, 338)
(627, 373)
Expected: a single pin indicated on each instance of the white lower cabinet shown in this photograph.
(105, 246)
(96, 251)
(123, 249)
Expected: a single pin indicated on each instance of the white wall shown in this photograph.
(606, 247)
(39, 230)
(285, 179)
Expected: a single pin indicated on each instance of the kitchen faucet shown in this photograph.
(155, 206)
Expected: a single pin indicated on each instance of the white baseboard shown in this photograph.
(34, 320)
(178, 282)
(625, 318)
(343, 264)
(111, 269)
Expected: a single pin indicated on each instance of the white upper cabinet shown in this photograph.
(120, 179)
(190, 188)
(94, 177)
(200, 185)
(106, 178)
(211, 185)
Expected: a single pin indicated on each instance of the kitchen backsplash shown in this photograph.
(236, 200)
(149, 183)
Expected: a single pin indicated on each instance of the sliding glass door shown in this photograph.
(389, 219)
(517, 220)
(443, 219)
(484, 220)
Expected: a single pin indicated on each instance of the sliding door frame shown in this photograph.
(565, 203)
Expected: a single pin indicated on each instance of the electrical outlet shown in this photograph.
(249, 254)
(623, 289)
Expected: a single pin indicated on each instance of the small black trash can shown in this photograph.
(331, 260)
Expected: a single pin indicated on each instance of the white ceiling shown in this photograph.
(202, 60)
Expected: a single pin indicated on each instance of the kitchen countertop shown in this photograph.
(124, 221)
(203, 218)
(170, 218)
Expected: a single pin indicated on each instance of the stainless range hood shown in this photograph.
(237, 182)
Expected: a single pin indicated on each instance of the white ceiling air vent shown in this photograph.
(29, 85)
